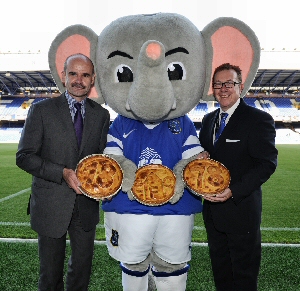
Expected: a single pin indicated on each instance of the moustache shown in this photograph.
(78, 85)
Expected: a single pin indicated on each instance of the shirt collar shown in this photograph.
(72, 101)
(231, 109)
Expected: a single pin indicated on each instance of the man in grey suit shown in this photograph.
(49, 151)
(247, 148)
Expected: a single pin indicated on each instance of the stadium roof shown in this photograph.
(27, 83)
(280, 82)
(29, 74)
(40, 83)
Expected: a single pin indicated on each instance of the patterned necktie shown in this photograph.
(222, 125)
(78, 122)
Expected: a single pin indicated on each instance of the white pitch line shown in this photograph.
(196, 244)
(281, 228)
(14, 195)
(102, 242)
(8, 223)
(34, 240)
(263, 228)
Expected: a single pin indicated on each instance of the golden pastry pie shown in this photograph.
(206, 177)
(154, 185)
(100, 176)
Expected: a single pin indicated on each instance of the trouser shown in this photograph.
(235, 258)
(52, 257)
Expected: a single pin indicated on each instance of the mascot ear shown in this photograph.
(229, 40)
(73, 39)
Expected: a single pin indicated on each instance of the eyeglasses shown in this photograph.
(228, 84)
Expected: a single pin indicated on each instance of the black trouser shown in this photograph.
(235, 259)
(52, 257)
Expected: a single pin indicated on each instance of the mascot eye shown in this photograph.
(176, 71)
(123, 74)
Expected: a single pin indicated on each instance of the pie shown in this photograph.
(154, 185)
(100, 176)
(206, 177)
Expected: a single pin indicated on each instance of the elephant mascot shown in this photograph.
(152, 70)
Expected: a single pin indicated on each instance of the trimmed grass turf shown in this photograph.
(280, 265)
(281, 199)
(19, 269)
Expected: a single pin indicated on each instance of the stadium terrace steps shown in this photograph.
(15, 108)
(283, 109)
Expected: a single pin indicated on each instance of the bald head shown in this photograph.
(78, 56)
(78, 76)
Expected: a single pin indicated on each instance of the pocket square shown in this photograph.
(232, 140)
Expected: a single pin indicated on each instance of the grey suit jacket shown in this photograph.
(48, 144)
(247, 148)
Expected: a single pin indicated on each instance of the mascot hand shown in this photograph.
(129, 169)
(179, 187)
(130, 195)
(203, 155)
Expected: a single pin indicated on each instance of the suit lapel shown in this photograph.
(66, 120)
(212, 126)
(208, 132)
(89, 121)
(232, 123)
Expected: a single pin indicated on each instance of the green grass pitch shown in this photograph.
(280, 225)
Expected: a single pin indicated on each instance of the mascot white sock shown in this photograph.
(171, 281)
(134, 280)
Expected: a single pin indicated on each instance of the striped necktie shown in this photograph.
(222, 125)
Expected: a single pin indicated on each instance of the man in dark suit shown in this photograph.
(247, 148)
(49, 150)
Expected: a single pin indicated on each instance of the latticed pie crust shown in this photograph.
(100, 176)
(154, 185)
(206, 177)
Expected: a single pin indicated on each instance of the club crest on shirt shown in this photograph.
(174, 126)
(149, 156)
(114, 240)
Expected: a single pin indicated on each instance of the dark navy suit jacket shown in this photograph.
(247, 148)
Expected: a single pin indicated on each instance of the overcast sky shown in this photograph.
(32, 24)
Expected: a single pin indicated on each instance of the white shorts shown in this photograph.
(131, 238)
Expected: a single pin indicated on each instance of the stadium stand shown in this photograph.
(281, 108)
(15, 108)
(275, 90)
(285, 111)
(13, 112)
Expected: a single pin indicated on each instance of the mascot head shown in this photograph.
(157, 67)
